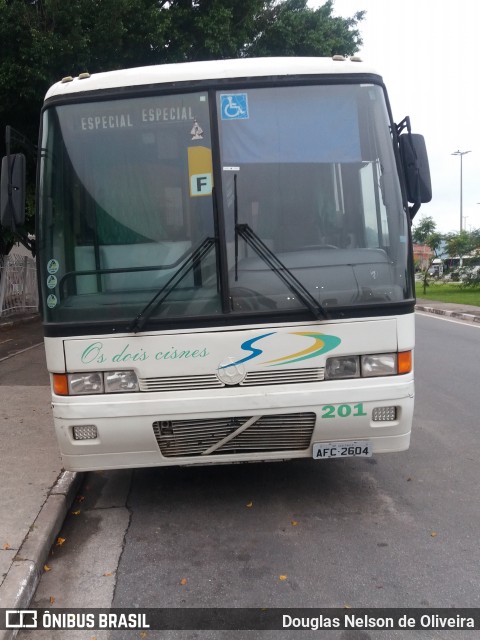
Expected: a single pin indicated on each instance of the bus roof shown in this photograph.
(208, 70)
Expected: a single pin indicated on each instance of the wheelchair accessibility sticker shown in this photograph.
(234, 106)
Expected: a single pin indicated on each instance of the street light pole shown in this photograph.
(461, 154)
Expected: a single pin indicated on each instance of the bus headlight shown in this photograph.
(120, 381)
(368, 366)
(341, 367)
(95, 383)
(383, 364)
(85, 383)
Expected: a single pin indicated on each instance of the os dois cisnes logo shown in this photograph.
(321, 344)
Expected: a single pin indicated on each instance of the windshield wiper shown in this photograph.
(277, 266)
(192, 260)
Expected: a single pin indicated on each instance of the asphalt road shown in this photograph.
(398, 530)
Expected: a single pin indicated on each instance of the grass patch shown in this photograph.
(449, 292)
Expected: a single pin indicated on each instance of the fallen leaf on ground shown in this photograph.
(282, 578)
(249, 504)
(294, 523)
(434, 534)
(52, 599)
(183, 581)
(76, 513)
(6, 546)
(108, 574)
(60, 541)
(46, 567)
(347, 606)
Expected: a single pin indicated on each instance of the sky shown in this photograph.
(428, 54)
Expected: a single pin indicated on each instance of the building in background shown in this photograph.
(422, 256)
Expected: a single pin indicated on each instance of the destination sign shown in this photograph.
(101, 119)
(112, 121)
(159, 114)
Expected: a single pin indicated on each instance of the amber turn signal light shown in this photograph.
(404, 362)
(60, 384)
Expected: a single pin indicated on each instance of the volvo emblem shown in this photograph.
(230, 373)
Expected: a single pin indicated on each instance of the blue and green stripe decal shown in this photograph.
(322, 343)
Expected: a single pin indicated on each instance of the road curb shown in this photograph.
(17, 589)
(470, 317)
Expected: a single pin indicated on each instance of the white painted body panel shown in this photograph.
(208, 70)
(124, 421)
(190, 354)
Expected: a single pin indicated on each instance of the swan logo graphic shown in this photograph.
(321, 344)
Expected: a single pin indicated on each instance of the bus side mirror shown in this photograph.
(12, 191)
(413, 154)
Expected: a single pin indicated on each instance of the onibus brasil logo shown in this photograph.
(321, 344)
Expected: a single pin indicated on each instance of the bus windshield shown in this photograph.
(131, 187)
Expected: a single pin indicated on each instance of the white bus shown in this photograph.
(225, 262)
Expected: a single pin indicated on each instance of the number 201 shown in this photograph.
(343, 411)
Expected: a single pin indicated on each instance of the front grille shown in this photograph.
(283, 376)
(253, 378)
(284, 432)
(180, 383)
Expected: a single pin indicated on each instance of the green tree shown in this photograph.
(425, 232)
(291, 28)
(209, 29)
(463, 243)
(466, 243)
(423, 229)
(42, 41)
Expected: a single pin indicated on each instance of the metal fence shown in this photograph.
(18, 285)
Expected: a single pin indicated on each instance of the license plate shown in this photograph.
(353, 449)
